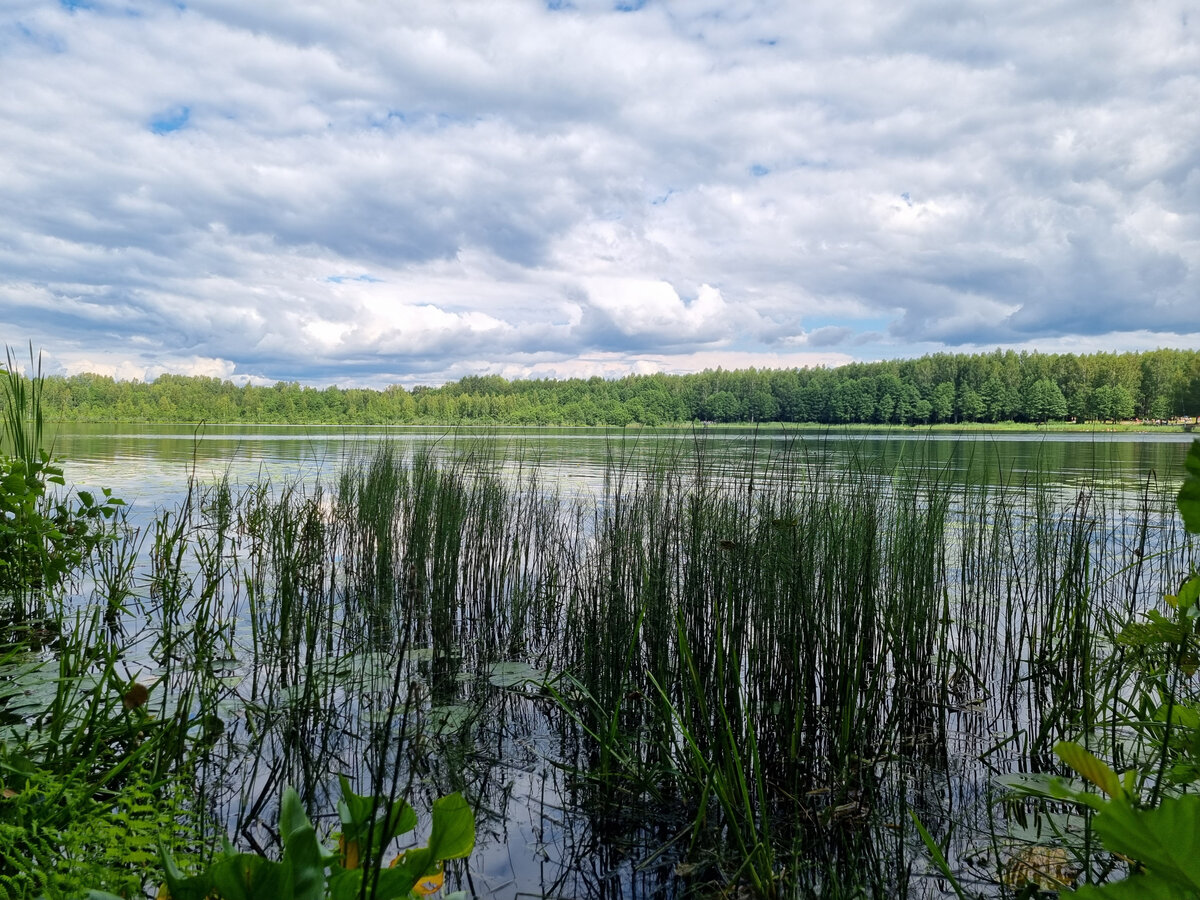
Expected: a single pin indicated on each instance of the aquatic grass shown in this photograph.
(769, 660)
(23, 432)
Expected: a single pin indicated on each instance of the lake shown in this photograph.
(887, 615)
(148, 465)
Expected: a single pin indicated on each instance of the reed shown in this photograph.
(761, 663)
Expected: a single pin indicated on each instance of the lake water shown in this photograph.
(534, 838)
(149, 465)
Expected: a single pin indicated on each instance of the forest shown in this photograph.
(995, 387)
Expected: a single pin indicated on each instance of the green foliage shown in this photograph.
(1189, 495)
(1164, 840)
(60, 835)
(1160, 833)
(1045, 401)
(986, 387)
(43, 538)
(307, 870)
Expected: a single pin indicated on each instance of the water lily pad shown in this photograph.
(513, 674)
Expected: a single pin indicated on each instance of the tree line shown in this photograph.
(1001, 386)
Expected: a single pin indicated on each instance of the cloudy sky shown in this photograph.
(368, 192)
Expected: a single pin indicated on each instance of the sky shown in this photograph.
(359, 192)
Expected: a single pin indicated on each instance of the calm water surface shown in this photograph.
(149, 465)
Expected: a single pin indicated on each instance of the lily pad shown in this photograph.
(514, 674)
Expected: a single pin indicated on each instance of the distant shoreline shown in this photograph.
(1132, 427)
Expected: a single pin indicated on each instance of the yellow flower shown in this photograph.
(428, 884)
(163, 893)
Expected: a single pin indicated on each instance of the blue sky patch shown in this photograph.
(51, 43)
(342, 279)
(170, 120)
(758, 170)
(72, 5)
(628, 5)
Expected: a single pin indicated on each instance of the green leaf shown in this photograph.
(304, 865)
(179, 885)
(1136, 887)
(416, 862)
(354, 810)
(453, 832)
(1166, 840)
(1189, 593)
(245, 876)
(1188, 500)
(292, 817)
(345, 884)
(1192, 462)
(397, 882)
(1051, 787)
(1091, 768)
(401, 819)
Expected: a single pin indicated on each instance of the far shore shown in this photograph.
(1175, 426)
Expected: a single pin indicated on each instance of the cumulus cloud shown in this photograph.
(354, 192)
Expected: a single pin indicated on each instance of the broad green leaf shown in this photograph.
(1192, 461)
(292, 817)
(1188, 500)
(1136, 887)
(453, 832)
(245, 876)
(401, 820)
(1091, 768)
(1189, 593)
(416, 862)
(179, 885)
(305, 864)
(354, 810)
(1051, 787)
(396, 883)
(1166, 840)
(345, 884)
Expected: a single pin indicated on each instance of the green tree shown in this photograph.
(1044, 401)
(970, 404)
(1111, 403)
(941, 401)
(723, 406)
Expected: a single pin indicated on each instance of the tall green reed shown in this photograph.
(777, 655)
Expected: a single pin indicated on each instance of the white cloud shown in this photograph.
(525, 187)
